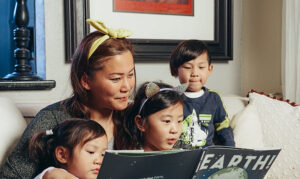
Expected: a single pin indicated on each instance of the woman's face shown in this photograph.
(110, 87)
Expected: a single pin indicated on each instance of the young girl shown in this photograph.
(155, 119)
(77, 146)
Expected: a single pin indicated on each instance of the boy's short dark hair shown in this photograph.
(185, 51)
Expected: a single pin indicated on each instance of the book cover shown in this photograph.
(228, 162)
(211, 163)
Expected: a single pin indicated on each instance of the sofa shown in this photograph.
(258, 121)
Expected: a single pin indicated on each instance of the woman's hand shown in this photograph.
(56, 173)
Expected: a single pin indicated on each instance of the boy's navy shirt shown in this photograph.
(209, 112)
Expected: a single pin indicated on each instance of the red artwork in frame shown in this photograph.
(176, 7)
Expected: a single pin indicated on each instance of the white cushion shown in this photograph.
(12, 125)
(247, 128)
(281, 129)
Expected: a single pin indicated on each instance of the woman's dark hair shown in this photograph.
(69, 133)
(81, 65)
(132, 136)
(185, 51)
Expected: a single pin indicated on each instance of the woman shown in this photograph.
(102, 77)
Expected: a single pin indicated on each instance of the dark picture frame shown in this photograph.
(153, 50)
(75, 14)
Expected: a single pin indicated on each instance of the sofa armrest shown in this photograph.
(29, 110)
(12, 126)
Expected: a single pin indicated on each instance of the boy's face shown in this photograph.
(195, 72)
(163, 128)
(87, 159)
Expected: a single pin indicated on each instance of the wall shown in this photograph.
(226, 77)
(261, 65)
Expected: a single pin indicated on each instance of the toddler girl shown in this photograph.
(75, 148)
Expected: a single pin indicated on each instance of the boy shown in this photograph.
(205, 119)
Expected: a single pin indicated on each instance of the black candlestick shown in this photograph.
(23, 68)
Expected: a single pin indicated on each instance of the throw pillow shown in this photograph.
(247, 128)
(281, 129)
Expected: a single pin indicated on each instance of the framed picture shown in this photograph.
(75, 14)
(178, 7)
(221, 47)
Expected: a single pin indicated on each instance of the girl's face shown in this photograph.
(163, 128)
(87, 159)
(195, 72)
(111, 86)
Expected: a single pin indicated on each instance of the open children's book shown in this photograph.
(211, 162)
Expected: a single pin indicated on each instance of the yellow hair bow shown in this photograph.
(109, 33)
